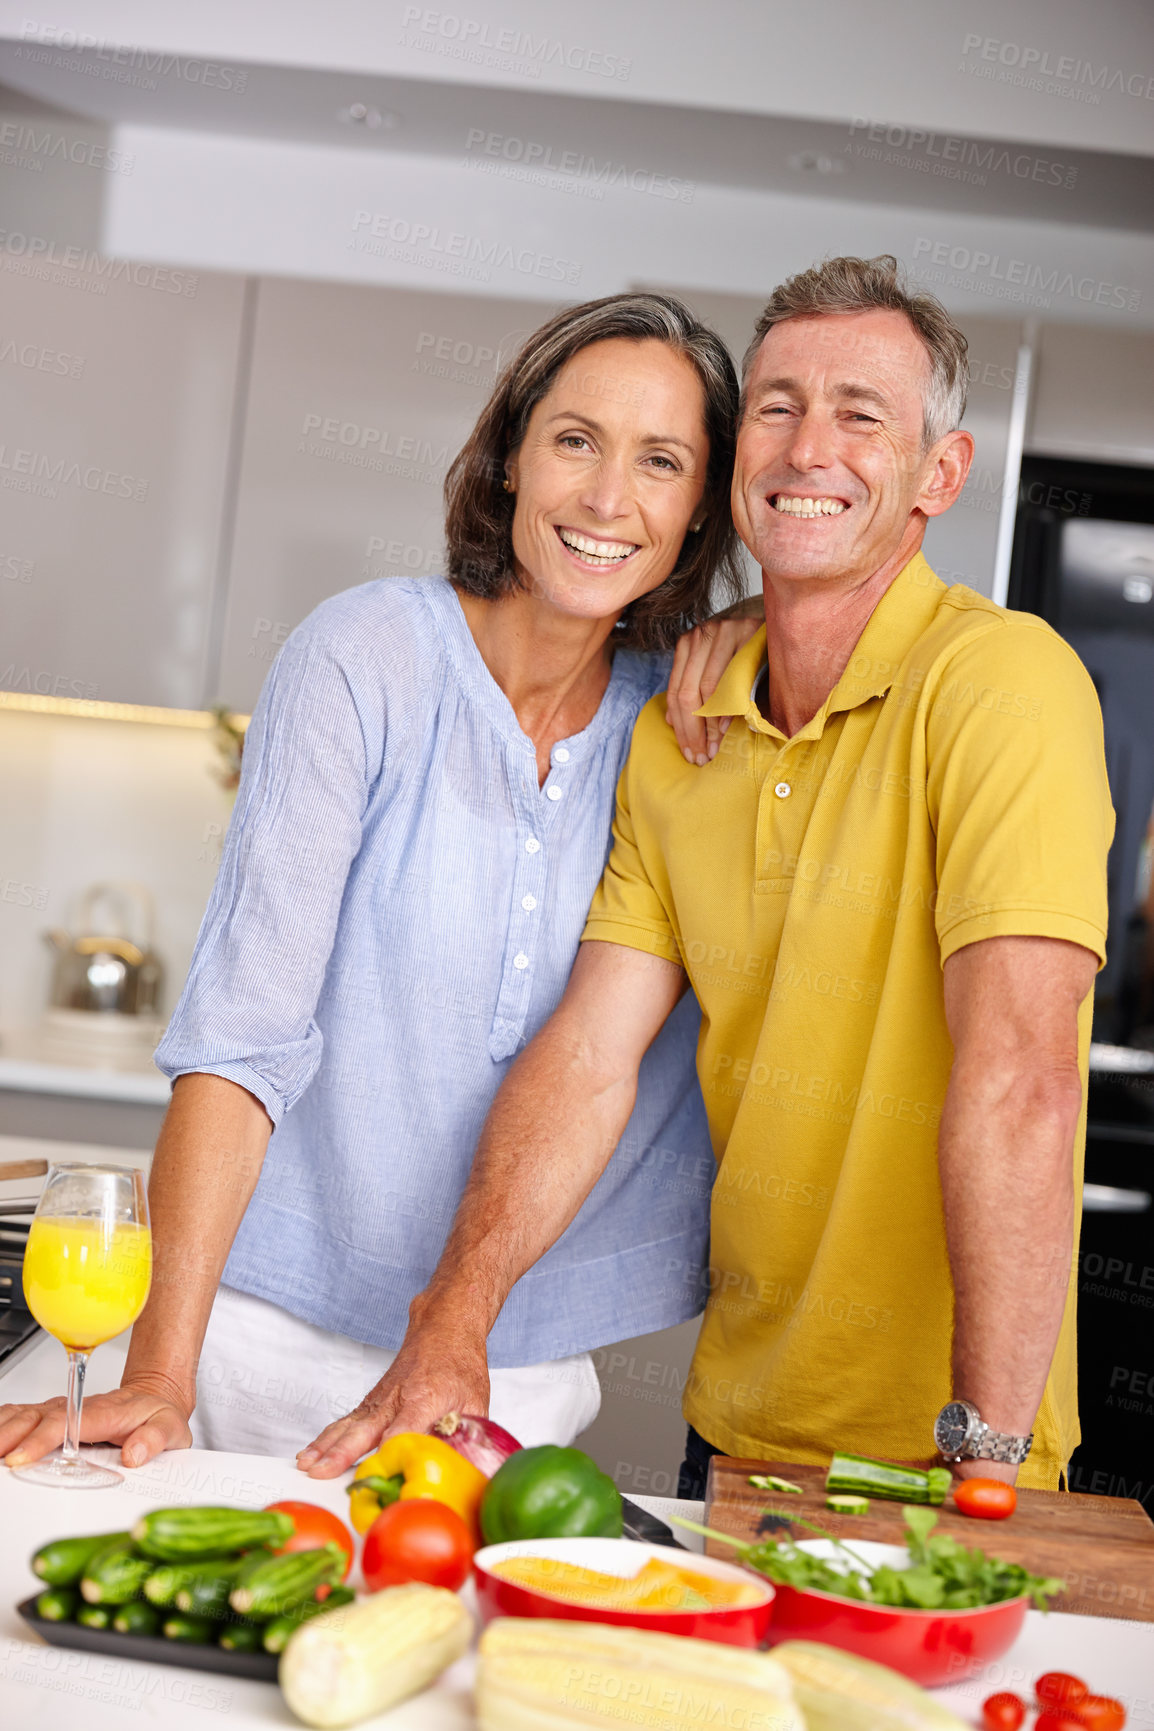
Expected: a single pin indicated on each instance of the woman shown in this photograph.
(423, 815)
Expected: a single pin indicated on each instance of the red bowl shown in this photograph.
(735, 1626)
(929, 1647)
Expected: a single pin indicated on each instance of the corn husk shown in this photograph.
(545, 1675)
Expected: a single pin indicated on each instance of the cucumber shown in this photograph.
(137, 1618)
(270, 1586)
(240, 1638)
(184, 1535)
(62, 1562)
(276, 1633)
(206, 1593)
(58, 1604)
(867, 1478)
(165, 1581)
(95, 1616)
(115, 1575)
(196, 1631)
(848, 1505)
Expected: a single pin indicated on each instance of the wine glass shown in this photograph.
(87, 1270)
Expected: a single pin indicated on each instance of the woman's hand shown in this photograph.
(144, 1419)
(699, 661)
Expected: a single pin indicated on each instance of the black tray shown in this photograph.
(155, 1648)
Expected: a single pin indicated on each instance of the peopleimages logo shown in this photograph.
(1057, 74)
(539, 164)
(121, 62)
(426, 244)
(511, 50)
(1015, 279)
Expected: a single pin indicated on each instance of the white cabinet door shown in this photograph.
(358, 401)
(117, 383)
(1093, 397)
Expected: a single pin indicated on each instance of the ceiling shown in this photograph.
(586, 137)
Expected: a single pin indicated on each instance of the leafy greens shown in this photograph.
(943, 1574)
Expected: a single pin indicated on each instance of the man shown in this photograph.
(888, 892)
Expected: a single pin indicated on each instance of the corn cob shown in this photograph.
(839, 1692)
(542, 1675)
(362, 1659)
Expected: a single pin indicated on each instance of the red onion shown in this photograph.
(481, 1441)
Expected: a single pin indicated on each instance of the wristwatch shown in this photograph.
(963, 1435)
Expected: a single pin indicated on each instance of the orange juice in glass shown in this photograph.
(87, 1271)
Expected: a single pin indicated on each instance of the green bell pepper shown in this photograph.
(549, 1493)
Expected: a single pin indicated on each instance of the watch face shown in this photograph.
(952, 1428)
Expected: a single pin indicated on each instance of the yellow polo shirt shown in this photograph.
(951, 788)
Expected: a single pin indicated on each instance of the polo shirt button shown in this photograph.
(783, 790)
(521, 961)
(552, 793)
(528, 903)
(532, 845)
(561, 755)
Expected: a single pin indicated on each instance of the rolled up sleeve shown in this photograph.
(248, 1008)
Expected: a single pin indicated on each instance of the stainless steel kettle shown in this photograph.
(109, 967)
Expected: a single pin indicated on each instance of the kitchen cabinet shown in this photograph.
(1092, 397)
(118, 383)
(359, 399)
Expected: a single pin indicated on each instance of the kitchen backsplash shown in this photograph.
(84, 801)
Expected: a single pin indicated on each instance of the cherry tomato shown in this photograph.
(418, 1540)
(313, 1527)
(1100, 1713)
(985, 1499)
(1003, 1712)
(1058, 1720)
(1059, 1689)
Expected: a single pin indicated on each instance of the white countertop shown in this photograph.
(59, 1690)
(137, 1086)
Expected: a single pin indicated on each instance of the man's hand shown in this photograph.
(436, 1372)
(144, 1419)
(699, 661)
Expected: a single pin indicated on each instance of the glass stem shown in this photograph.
(77, 1365)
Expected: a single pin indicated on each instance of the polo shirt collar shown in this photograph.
(894, 626)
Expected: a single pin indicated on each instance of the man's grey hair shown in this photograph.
(858, 285)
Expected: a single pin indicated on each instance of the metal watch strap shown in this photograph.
(993, 1445)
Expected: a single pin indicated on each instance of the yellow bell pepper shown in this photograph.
(412, 1465)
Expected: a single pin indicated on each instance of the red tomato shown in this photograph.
(1059, 1689)
(1003, 1712)
(313, 1527)
(1058, 1720)
(985, 1499)
(1100, 1713)
(417, 1540)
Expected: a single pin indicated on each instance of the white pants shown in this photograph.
(269, 1383)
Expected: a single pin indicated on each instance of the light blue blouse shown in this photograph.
(396, 914)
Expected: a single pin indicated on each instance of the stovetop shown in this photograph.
(18, 1326)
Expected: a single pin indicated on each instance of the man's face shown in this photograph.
(830, 462)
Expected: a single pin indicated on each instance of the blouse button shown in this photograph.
(783, 790)
(521, 961)
(532, 845)
(561, 755)
(553, 793)
(528, 903)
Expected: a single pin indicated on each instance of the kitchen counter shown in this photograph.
(57, 1690)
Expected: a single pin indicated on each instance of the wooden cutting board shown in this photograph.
(1102, 1547)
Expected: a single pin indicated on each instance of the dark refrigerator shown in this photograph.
(1084, 560)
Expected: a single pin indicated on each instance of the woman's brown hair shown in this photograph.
(479, 512)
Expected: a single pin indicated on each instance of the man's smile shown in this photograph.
(807, 505)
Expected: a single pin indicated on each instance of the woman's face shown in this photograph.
(609, 476)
